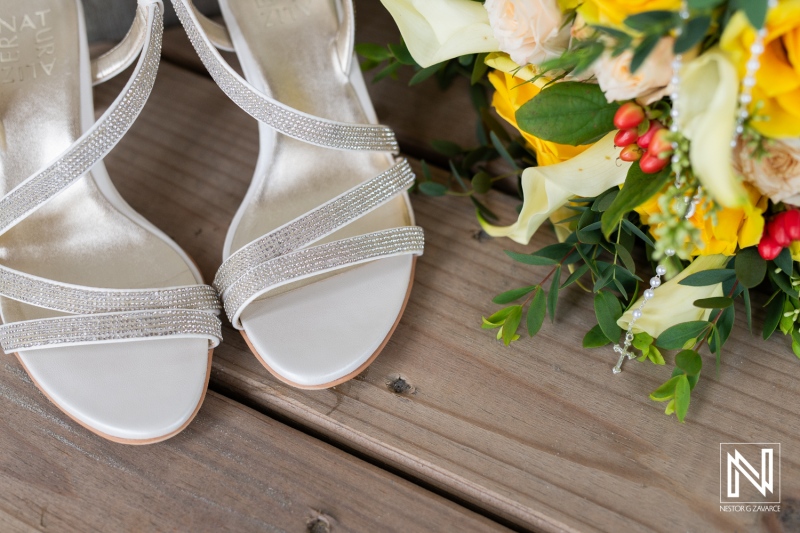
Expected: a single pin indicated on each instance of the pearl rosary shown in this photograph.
(745, 98)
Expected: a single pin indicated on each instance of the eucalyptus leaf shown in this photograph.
(607, 309)
(784, 261)
(639, 187)
(708, 277)
(515, 294)
(756, 11)
(773, 315)
(529, 259)
(674, 337)
(536, 313)
(595, 338)
(431, 188)
(718, 302)
(683, 394)
(693, 32)
(689, 361)
(750, 267)
(552, 296)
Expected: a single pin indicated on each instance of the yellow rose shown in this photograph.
(736, 227)
(778, 78)
(511, 93)
(613, 12)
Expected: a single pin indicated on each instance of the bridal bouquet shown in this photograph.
(652, 129)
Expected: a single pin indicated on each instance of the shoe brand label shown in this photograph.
(27, 46)
(283, 12)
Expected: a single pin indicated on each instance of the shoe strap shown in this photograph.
(285, 119)
(110, 327)
(93, 145)
(78, 299)
(317, 260)
(316, 224)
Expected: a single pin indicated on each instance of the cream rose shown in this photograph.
(776, 174)
(649, 83)
(530, 31)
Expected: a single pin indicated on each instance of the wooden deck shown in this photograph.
(447, 431)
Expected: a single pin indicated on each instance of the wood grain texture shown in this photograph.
(233, 469)
(415, 113)
(541, 433)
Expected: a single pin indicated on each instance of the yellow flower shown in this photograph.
(511, 93)
(736, 227)
(778, 78)
(613, 12)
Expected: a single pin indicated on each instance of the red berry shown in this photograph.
(768, 248)
(791, 223)
(777, 231)
(628, 116)
(652, 164)
(631, 153)
(644, 140)
(626, 137)
(660, 144)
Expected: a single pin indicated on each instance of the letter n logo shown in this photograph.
(747, 472)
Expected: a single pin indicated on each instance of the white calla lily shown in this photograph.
(673, 303)
(437, 30)
(548, 188)
(707, 105)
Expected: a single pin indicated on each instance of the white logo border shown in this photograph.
(721, 483)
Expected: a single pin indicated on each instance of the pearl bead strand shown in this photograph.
(745, 98)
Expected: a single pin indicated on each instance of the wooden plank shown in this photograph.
(232, 469)
(415, 113)
(540, 433)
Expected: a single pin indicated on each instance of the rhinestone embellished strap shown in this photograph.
(112, 327)
(318, 260)
(317, 224)
(76, 299)
(289, 121)
(97, 141)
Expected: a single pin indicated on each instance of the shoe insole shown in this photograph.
(318, 330)
(86, 235)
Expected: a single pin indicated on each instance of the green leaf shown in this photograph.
(796, 343)
(627, 258)
(750, 267)
(655, 356)
(756, 11)
(448, 148)
(375, 52)
(674, 337)
(683, 394)
(530, 259)
(689, 361)
(643, 50)
(401, 53)
(479, 69)
(595, 338)
(575, 276)
(630, 226)
(481, 182)
(570, 112)
(639, 188)
(708, 277)
(388, 70)
(498, 145)
(704, 4)
(666, 391)
(536, 313)
(693, 32)
(552, 296)
(783, 261)
(424, 74)
(608, 310)
(787, 318)
(498, 317)
(725, 324)
(642, 341)
(431, 188)
(605, 201)
(512, 323)
(748, 310)
(510, 296)
(773, 316)
(646, 20)
(783, 282)
(719, 302)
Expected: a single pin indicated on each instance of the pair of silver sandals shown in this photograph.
(109, 317)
